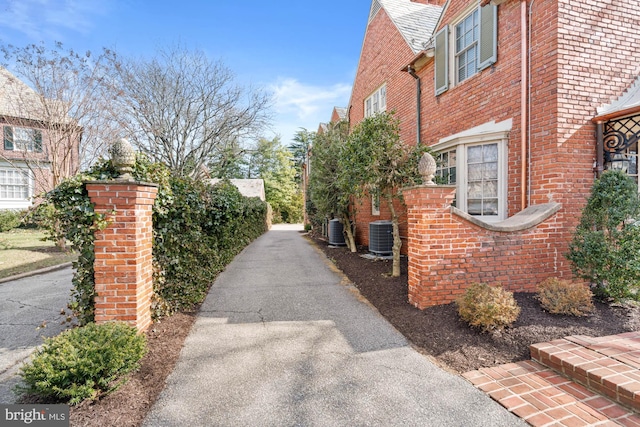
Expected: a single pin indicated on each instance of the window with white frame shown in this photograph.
(476, 162)
(22, 139)
(466, 51)
(15, 184)
(375, 203)
(446, 167)
(376, 102)
(474, 41)
(482, 179)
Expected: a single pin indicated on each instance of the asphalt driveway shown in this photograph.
(30, 309)
(283, 340)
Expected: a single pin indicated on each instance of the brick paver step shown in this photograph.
(608, 365)
(543, 397)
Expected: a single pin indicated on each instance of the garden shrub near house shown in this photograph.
(83, 363)
(564, 297)
(197, 228)
(606, 244)
(9, 219)
(488, 307)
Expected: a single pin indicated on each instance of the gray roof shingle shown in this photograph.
(415, 21)
(18, 100)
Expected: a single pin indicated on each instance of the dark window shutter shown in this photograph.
(442, 61)
(488, 36)
(8, 138)
(37, 140)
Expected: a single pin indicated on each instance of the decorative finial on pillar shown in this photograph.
(427, 168)
(123, 158)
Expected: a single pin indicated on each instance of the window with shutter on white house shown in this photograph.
(466, 47)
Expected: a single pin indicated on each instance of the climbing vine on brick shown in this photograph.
(198, 229)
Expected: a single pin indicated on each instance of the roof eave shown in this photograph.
(616, 114)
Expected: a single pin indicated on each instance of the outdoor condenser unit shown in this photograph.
(336, 237)
(381, 237)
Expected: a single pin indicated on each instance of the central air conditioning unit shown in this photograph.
(381, 237)
(336, 237)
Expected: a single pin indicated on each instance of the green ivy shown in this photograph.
(606, 244)
(195, 225)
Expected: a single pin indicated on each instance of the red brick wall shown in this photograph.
(384, 53)
(583, 54)
(448, 253)
(123, 257)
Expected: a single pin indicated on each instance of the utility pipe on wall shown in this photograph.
(523, 104)
(411, 71)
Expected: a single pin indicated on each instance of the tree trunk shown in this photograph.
(351, 240)
(397, 242)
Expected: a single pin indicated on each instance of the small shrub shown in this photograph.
(564, 297)
(9, 219)
(487, 307)
(83, 363)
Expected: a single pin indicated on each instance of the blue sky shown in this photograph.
(304, 52)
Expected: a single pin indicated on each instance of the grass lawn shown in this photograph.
(23, 250)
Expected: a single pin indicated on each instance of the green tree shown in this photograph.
(299, 148)
(606, 243)
(330, 190)
(272, 162)
(376, 159)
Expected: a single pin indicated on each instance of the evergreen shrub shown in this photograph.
(83, 363)
(606, 244)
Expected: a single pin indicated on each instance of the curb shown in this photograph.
(36, 272)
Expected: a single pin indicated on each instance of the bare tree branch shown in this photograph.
(183, 109)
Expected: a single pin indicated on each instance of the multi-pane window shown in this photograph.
(446, 167)
(475, 161)
(465, 47)
(482, 179)
(376, 102)
(466, 54)
(14, 184)
(22, 139)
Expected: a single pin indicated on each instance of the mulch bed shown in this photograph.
(439, 332)
(436, 332)
(128, 406)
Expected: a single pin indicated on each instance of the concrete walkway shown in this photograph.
(282, 340)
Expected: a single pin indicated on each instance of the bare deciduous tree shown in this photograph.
(51, 105)
(183, 109)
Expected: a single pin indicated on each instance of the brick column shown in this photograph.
(428, 215)
(123, 260)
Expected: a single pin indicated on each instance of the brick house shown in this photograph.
(28, 150)
(523, 102)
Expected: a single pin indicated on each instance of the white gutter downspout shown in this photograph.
(524, 131)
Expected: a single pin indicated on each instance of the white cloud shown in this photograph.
(299, 105)
(48, 19)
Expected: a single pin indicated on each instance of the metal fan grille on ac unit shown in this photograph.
(381, 237)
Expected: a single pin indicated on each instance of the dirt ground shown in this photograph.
(436, 332)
